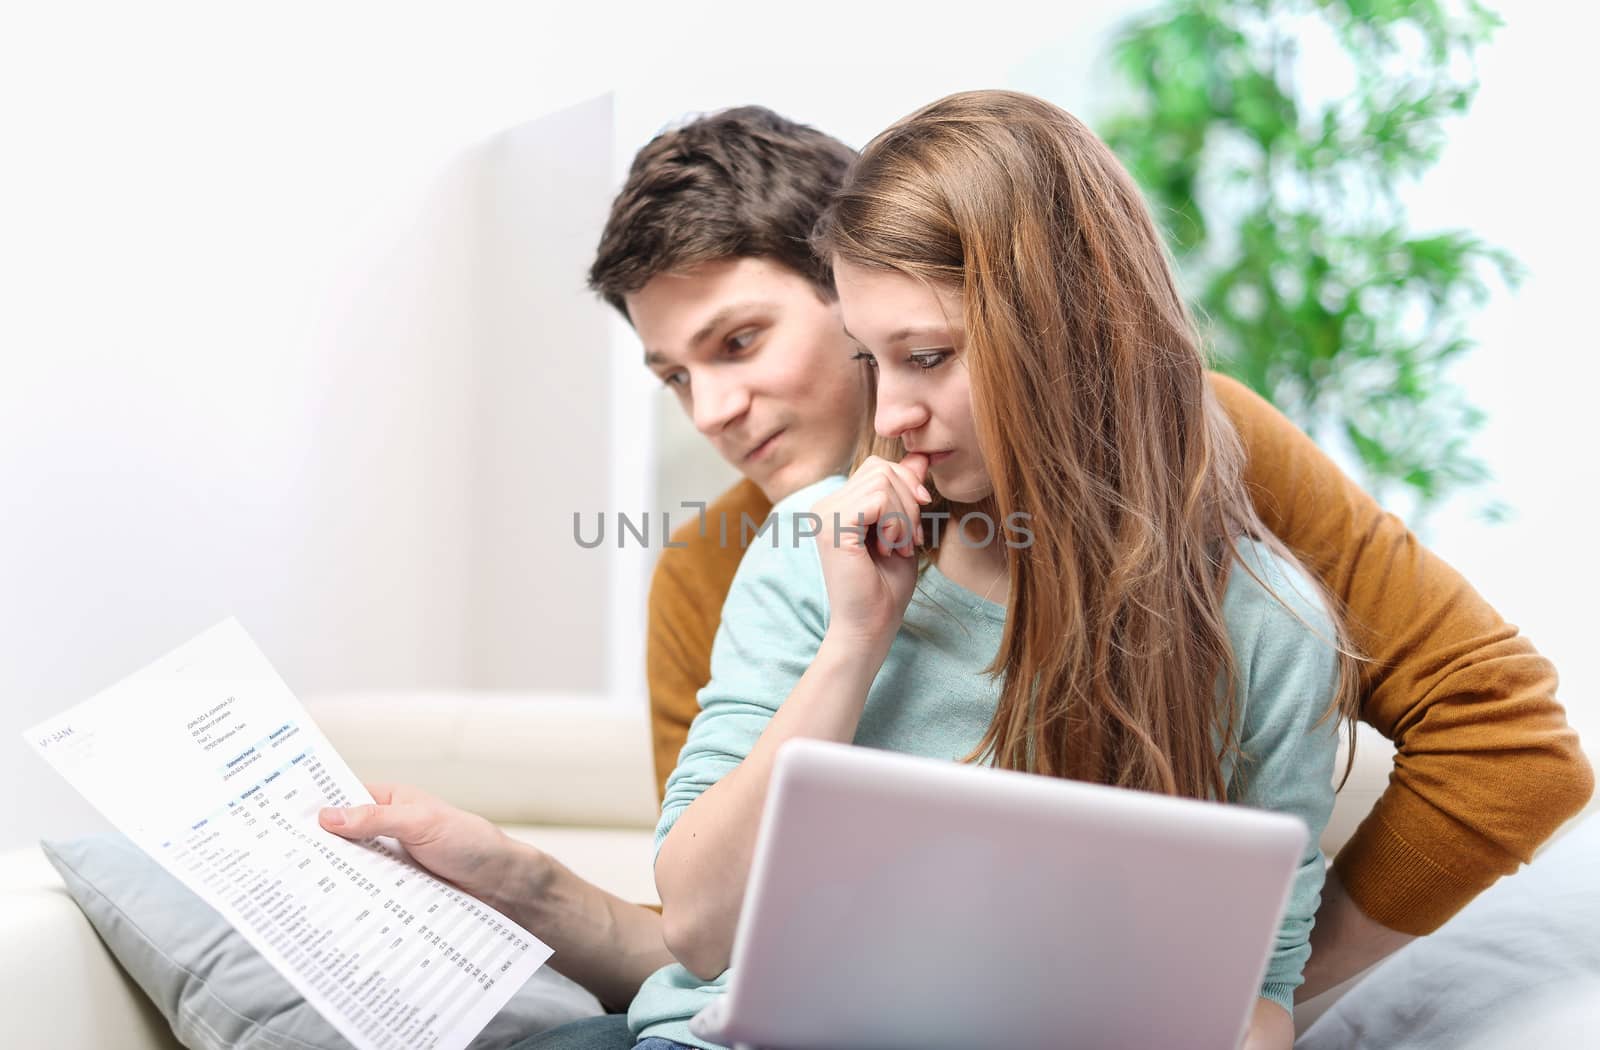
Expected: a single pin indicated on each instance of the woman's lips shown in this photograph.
(935, 458)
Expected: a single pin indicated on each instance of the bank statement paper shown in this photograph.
(208, 762)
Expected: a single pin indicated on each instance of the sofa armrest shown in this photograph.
(513, 758)
(59, 985)
(1369, 776)
(586, 761)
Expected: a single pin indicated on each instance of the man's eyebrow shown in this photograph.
(717, 320)
(721, 317)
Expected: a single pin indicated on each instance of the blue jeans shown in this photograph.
(595, 1033)
(607, 1032)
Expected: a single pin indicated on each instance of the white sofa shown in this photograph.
(569, 774)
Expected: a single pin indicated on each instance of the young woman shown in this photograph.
(1061, 571)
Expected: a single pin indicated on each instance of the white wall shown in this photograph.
(251, 363)
(537, 611)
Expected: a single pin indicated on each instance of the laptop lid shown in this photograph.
(898, 901)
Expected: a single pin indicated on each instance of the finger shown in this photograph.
(910, 482)
(888, 518)
(856, 516)
(878, 488)
(918, 491)
(906, 526)
(916, 465)
(883, 503)
(360, 822)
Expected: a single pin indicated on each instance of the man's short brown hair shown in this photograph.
(736, 183)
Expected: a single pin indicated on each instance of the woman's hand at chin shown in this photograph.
(870, 528)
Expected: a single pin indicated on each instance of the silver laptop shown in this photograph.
(898, 901)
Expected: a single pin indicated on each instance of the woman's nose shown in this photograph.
(896, 416)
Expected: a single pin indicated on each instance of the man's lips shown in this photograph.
(764, 447)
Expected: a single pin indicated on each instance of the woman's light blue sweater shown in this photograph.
(933, 698)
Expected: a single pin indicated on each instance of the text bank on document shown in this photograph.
(209, 763)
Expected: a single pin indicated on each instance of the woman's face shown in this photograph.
(913, 335)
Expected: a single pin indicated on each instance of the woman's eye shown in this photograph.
(675, 380)
(862, 355)
(927, 359)
(741, 341)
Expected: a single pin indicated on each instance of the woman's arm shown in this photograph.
(1271, 1027)
(1283, 646)
(806, 623)
(1344, 941)
(705, 859)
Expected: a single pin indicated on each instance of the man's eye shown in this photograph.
(926, 359)
(862, 355)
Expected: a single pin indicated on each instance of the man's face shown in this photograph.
(761, 365)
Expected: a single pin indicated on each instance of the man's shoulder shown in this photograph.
(727, 524)
(704, 552)
(744, 499)
(1247, 410)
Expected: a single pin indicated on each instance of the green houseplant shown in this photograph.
(1283, 212)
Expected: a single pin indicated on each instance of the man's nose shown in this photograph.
(717, 402)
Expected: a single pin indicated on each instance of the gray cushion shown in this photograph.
(1532, 938)
(213, 987)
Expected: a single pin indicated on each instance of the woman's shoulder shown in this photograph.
(802, 500)
(781, 551)
(1286, 656)
(1271, 597)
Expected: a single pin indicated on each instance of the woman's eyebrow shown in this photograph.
(910, 332)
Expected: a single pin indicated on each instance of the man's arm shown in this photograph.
(603, 942)
(1486, 766)
(599, 940)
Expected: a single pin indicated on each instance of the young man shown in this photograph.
(706, 254)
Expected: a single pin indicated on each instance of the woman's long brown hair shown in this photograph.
(1096, 420)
